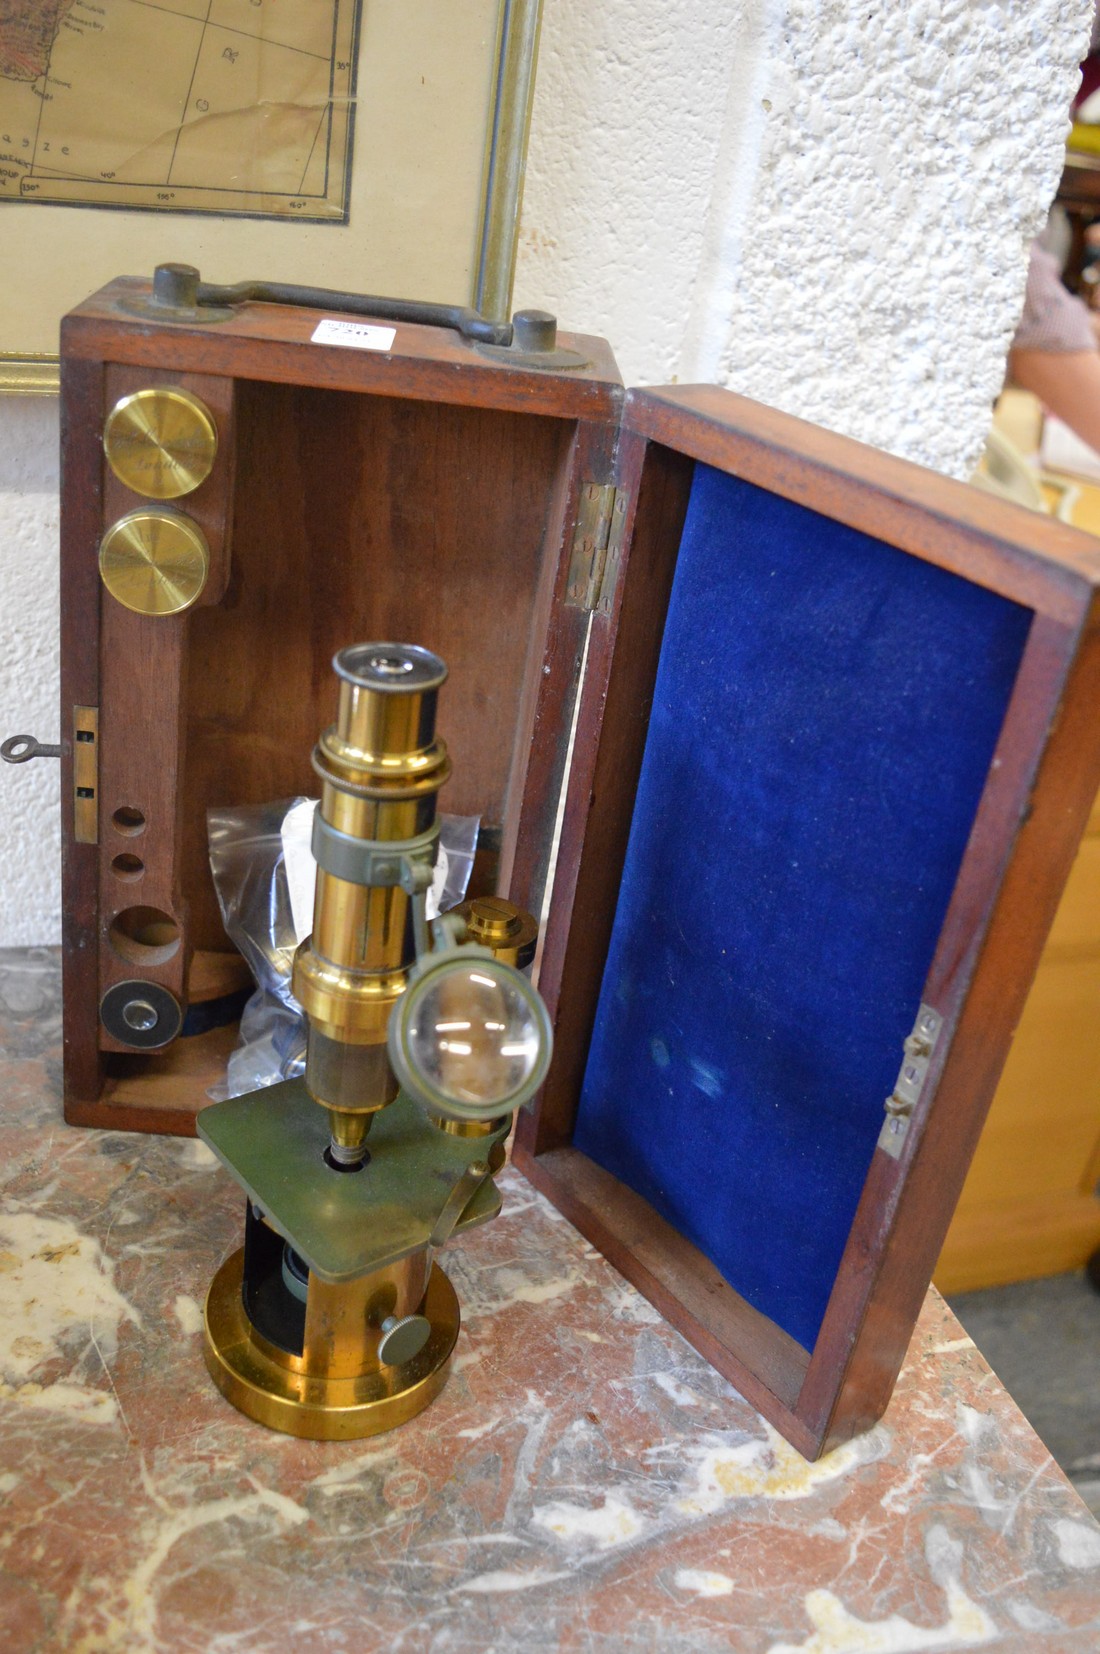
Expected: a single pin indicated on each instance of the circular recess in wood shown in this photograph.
(128, 821)
(144, 935)
(127, 866)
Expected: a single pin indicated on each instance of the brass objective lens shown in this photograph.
(381, 768)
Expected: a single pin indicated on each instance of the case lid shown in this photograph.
(834, 750)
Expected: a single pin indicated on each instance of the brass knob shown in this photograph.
(154, 562)
(160, 442)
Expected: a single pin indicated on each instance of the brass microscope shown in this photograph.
(333, 1321)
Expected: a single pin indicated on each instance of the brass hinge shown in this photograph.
(86, 774)
(919, 1048)
(597, 548)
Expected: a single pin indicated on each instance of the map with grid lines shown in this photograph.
(233, 107)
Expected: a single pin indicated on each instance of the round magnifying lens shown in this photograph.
(470, 1037)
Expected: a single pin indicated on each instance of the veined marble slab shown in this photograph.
(585, 1482)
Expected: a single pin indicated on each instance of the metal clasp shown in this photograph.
(20, 749)
(919, 1047)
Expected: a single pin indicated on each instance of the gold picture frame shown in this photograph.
(436, 151)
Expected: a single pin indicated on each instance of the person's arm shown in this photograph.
(1065, 381)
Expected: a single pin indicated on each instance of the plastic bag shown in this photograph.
(259, 853)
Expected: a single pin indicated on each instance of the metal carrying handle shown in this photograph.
(17, 749)
(529, 340)
(179, 287)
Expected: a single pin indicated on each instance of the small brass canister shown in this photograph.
(154, 561)
(161, 442)
(496, 923)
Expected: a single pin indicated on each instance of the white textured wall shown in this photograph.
(30, 822)
(822, 203)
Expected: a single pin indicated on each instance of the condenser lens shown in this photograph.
(474, 1035)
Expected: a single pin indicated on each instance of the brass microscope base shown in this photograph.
(272, 1388)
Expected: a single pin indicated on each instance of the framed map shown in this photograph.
(232, 106)
(375, 145)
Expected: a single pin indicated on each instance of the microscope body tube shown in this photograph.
(381, 768)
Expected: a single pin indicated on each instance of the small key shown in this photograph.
(17, 749)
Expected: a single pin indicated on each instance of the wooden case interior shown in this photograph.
(350, 516)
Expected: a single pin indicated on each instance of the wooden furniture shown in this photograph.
(835, 745)
(1029, 1205)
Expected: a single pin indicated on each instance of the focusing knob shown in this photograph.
(402, 1338)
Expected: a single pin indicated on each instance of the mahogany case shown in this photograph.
(829, 759)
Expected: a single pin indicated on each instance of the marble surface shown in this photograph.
(586, 1482)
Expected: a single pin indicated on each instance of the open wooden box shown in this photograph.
(834, 746)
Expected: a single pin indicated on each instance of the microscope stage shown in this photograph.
(345, 1224)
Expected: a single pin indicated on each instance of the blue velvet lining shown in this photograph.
(825, 712)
